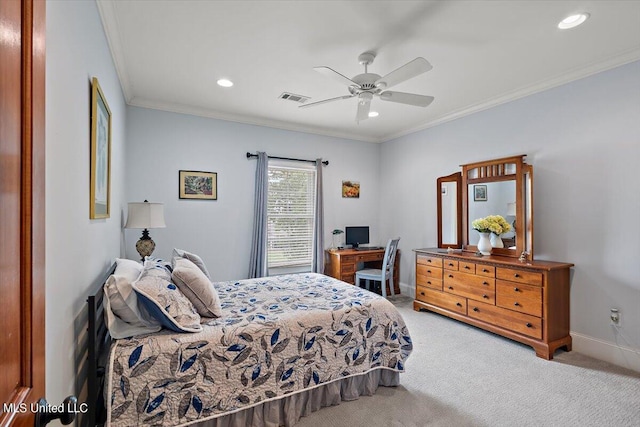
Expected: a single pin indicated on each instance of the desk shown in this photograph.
(342, 264)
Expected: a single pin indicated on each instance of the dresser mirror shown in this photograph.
(449, 203)
(499, 187)
(493, 187)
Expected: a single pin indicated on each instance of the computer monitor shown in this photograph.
(356, 236)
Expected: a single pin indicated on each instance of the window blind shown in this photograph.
(290, 216)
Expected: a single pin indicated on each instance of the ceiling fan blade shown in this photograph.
(407, 71)
(324, 101)
(333, 74)
(407, 98)
(363, 110)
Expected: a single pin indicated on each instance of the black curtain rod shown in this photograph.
(326, 162)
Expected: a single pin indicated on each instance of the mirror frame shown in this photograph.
(457, 178)
(493, 171)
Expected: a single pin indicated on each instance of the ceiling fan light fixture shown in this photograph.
(573, 21)
(225, 83)
(373, 114)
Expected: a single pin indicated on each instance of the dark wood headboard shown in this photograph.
(99, 341)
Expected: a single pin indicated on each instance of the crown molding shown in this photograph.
(559, 80)
(203, 112)
(109, 18)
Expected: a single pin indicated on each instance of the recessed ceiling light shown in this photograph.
(225, 83)
(373, 114)
(573, 21)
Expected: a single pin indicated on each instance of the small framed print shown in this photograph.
(351, 189)
(480, 193)
(198, 185)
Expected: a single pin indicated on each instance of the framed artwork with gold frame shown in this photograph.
(198, 185)
(100, 189)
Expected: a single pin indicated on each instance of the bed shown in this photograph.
(284, 347)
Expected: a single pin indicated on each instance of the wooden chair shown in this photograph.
(384, 274)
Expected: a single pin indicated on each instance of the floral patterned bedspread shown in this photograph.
(278, 335)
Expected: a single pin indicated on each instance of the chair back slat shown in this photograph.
(390, 256)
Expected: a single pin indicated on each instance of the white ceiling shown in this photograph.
(169, 55)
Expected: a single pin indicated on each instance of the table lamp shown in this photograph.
(145, 215)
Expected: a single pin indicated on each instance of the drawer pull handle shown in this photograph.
(484, 270)
(517, 304)
(516, 275)
(528, 325)
(516, 289)
(428, 260)
(485, 296)
(428, 271)
(451, 275)
(485, 283)
(458, 304)
(422, 293)
(475, 309)
(467, 267)
(450, 264)
(451, 287)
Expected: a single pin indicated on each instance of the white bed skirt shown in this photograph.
(287, 411)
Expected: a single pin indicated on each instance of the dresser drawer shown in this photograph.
(470, 286)
(458, 277)
(429, 260)
(467, 267)
(347, 268)
(507, 319)
(450, 264)
(349, 278)
(370, 257)
(441, 299)
(520, 276)
(485, 270)
(429, 271)
(519, 297)
(428, 282)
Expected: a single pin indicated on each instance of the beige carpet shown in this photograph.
(459, 375)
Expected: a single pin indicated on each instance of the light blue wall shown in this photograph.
(583, 140)
(78, 250)
(159, 144)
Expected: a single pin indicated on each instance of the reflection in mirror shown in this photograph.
(493, 198)
(448, 193)
(449, 204)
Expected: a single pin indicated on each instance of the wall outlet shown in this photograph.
(615, 318)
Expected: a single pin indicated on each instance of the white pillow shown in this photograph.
(121, 311)
(179, 253)
(128, 268)
(197, 287)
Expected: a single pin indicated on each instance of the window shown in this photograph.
(290, 217)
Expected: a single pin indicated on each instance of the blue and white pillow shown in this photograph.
(163, 300)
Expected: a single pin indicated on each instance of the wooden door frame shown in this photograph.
(32, 250)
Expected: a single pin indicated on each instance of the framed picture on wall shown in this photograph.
(198, 185)
(351, 189)
(480, 193)
(100, 188)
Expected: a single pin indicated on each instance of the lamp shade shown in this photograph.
(145, 215)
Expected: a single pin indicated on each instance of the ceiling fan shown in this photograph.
(367, 85)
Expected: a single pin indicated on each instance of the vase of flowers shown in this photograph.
(492, 225)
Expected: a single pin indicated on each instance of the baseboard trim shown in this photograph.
(407, 290)
(609, 352)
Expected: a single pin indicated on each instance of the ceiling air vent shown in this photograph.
(293, 97)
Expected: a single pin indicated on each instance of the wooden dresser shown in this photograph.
(524, 301)
(342, 264)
